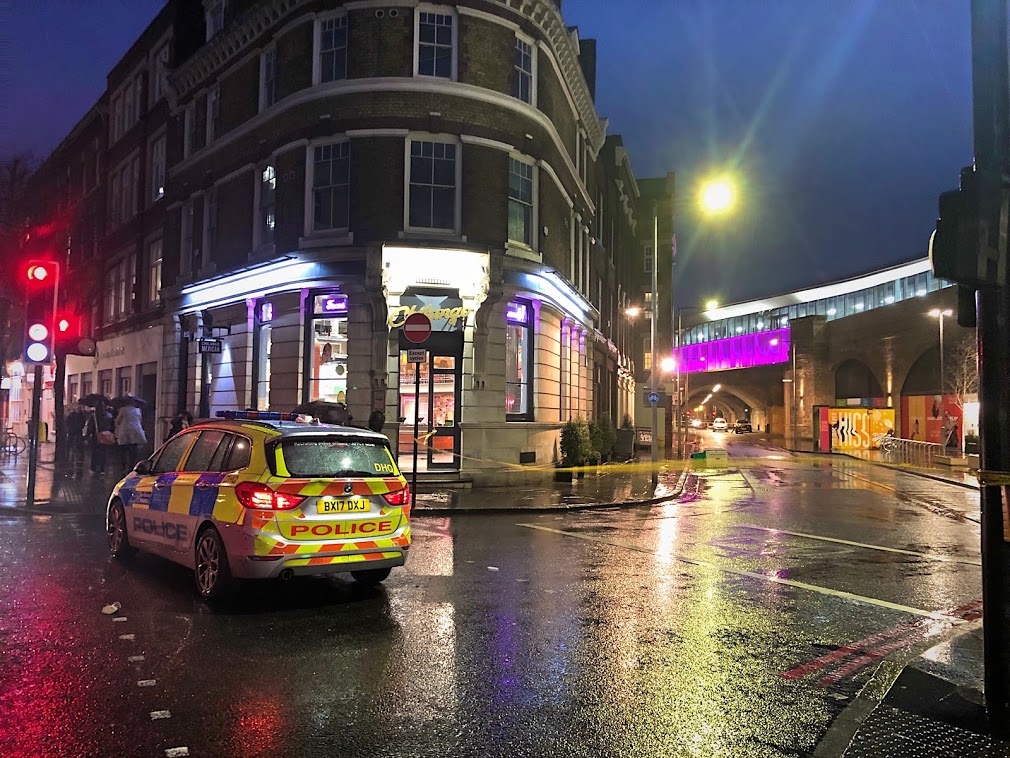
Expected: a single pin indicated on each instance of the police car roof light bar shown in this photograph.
(259, 415)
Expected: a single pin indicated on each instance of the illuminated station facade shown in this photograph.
(282, 182)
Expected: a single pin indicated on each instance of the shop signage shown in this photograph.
(329, 304)
(446, 311)
(210, 346)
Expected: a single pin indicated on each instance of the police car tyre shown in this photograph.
(370, 577)
(213, 575)
(119, 541)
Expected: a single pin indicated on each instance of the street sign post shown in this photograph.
(653, 397)
(416, 329)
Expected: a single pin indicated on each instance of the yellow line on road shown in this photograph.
(761, 577)
(927, 556)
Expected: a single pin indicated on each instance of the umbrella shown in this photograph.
(326, 411)
(93, 400)
(129, 400)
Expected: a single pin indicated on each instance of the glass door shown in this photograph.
(436, 406)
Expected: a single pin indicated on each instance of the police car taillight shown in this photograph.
(400, 497)
(261, 497)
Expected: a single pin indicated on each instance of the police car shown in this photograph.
(265, 495)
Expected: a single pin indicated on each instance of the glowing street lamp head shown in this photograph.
(711, 305)
(936, 312)
(668, 365)
(633, 312)
(717, 196)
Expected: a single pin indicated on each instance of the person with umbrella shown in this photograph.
(98, 431)
(129, 430)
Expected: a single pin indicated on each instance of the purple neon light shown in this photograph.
(516, 312)
(335, 303)
(745, 351)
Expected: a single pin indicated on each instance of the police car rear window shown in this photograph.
(329, 458)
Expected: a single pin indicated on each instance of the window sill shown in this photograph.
(412, 233)
(523, 417)
(329, 238)
(522, 250)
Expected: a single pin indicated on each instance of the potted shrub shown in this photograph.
(603, 438)
(576, 447)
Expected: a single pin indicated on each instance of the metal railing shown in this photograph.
(911, 452)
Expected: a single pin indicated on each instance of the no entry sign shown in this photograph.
(417, 328)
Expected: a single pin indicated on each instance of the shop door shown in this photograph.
(437, 407)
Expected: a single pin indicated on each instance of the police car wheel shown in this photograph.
(213, 576)
(371, 577)
(119, 541)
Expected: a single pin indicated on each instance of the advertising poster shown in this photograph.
(856, 428)
(930, 418)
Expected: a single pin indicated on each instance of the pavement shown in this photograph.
(60, 490)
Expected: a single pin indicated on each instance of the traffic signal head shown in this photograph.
(38, 273)
(40, 310)
(38, 348)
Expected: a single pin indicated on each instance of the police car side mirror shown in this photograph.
(143, 468)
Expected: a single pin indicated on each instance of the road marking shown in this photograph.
(135, 658)
(762, 577)
(176, 752)
(966, 612)
(119, 618)
(928, 556)
(147, 682)
(157, 715)
(130, 637)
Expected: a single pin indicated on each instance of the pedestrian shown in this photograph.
(98, 432)
(377, 420)
(183, 420)
(74, 428)
(129, 434)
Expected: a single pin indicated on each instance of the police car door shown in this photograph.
(199, 482)
(145, 512)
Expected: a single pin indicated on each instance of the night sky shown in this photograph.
(843, 118)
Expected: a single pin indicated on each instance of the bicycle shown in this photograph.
(12, 443)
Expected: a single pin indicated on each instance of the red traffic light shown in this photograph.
(38, 273)
(62, 325)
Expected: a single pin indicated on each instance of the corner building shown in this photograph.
(334, 167)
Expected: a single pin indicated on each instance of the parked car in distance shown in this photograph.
(719, 424)
(743, 427)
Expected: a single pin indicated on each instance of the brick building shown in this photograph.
(285, 180)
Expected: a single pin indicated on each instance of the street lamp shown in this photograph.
(939, 314)
(717, 195)
(711, 305)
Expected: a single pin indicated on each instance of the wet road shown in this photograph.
(716, 625)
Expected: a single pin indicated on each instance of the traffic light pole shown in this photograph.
(33, 435)
(991, 99)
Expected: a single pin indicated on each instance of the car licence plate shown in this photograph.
(341, 506)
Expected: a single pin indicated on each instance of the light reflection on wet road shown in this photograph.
(648, 632)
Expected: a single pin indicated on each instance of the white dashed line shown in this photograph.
(147, 682)
(130, 637)
(135, 658)
(156, 715)
(176, 752)
(119, 618)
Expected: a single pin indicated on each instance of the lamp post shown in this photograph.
(654, 364)
(939, 314)
(711, 305)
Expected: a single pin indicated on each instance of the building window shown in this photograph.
(264, 316)
(215, 17)
(522, 71)
(520, 202)
(267, 209)
(328, 354)
(519, 361)
(435, 54)
(186, 238)
(119, 290)
(154, 272)
(105, 382)
(647, 259)
(432, 191)
(268, 78)
(213, 114)
(158, 169)
(117, 116)
(190, 136)
(331, 186)
(129, 109)
(123, 191)
(159, 80)
(333, 49)
(210, 223)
